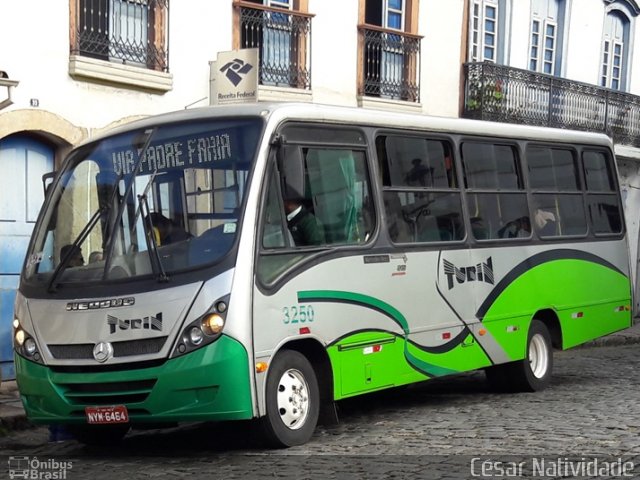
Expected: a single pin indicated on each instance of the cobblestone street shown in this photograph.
(432, 430)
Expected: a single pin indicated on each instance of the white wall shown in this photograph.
(442, 25)
(334, 51)
(520, 31)
(584, 50)
(629, 174)
(35, 51)
(199, 30)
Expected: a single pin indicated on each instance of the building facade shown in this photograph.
(70, 69)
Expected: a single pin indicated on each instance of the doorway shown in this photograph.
(23, 161)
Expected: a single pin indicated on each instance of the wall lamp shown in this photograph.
(9, 84)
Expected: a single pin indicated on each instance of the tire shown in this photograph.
(531, 374)
(98, 435)
(292, 401)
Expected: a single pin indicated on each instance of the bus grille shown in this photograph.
(109, 393)
(84, 351)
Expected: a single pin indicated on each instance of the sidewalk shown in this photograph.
(12, 416)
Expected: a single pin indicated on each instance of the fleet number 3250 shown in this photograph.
(298, 314)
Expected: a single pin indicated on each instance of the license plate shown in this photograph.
(114, 414)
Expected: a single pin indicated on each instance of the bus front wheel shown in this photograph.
(531, 374)
(292, 400)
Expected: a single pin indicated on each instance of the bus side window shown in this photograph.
(339, 188)
(558, 208)
(422, 201)
(332, 206)
(602, 200)
(495, 191)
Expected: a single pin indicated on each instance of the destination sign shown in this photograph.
(185, 152)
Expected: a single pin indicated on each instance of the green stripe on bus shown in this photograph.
(356, 298)
(412, 356)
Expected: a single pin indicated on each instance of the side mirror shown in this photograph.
(47, 183)
(291, 167)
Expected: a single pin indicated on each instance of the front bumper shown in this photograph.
(211, 383)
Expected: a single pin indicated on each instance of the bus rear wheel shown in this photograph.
(531, 374)
(292, 400)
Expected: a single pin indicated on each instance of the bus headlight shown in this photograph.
(212, 324)
(30, 347)
(24, 344)
(20, 336)
(203, 331)
(195, 336)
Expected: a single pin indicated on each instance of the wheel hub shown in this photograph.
(293, 399)
(539, 356)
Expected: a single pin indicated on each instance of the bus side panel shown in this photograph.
(383, 322)
(371, 361)
(596, 321)
(591, 299)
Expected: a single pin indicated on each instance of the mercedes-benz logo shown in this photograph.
(103, 351)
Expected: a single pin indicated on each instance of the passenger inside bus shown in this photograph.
(478, 228)
(545, 222)
(419, 175)
(95, 257)
(77, 260)
(167, 231)
(520, 227)
(303, 225)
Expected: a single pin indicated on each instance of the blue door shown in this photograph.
(23, 161)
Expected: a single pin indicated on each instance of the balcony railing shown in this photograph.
(283, 38)
(506, 94)
(133, 33)
(391, 64)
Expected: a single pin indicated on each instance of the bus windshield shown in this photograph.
(146, 202)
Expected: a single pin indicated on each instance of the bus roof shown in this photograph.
(367, 117)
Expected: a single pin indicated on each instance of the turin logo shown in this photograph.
(482, 272)
(148, 323)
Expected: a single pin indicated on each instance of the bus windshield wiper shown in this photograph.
(141, 151)
(75, 247)
(144, 193)
(152, 246)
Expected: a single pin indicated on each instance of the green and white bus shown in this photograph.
(264, 261)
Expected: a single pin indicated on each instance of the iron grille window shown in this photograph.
(390, 55)
(391, 65)
(283, 39)
(133, 32)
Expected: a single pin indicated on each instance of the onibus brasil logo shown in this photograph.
(34, 468)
